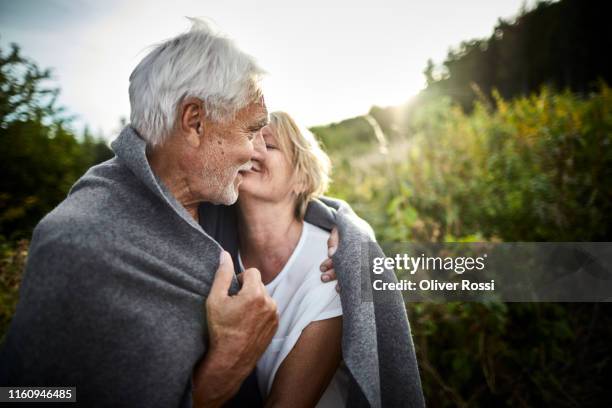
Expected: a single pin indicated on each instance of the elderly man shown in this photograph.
(112, 300)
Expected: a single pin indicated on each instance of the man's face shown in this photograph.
(226, 152)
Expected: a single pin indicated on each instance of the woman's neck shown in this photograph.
(268, 234)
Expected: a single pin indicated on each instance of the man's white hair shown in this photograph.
(199, 63)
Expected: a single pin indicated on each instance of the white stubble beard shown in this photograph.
(228, 193)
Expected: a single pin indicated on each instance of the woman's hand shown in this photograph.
(327, 267)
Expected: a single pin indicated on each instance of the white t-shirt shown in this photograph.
(302, 298)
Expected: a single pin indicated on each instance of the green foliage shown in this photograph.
(41, 156)
(529, 354)
(12, 262)
(354, 135)
(536, 168)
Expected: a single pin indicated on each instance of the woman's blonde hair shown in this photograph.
(310, 163)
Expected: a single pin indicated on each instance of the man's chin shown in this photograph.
(229, 197)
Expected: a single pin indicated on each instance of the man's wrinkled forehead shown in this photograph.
(262, 102)
(264, 116)
(255, 116)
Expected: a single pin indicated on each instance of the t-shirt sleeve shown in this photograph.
(325, 300)
(320, 302)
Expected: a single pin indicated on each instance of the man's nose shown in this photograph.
(259, 147)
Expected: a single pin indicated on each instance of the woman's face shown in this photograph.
(271, 178)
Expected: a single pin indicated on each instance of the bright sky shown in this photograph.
(327, 60)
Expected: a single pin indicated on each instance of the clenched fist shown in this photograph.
(240, 329)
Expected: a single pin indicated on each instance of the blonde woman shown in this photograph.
(302, 365)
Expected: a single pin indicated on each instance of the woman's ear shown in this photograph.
(192, 121)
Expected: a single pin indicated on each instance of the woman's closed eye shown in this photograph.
(270, 146)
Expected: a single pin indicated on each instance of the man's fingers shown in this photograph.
(332, 242)
(251, 280)
(224, 275)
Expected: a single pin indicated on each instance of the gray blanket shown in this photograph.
(376, 341)
(113, 294)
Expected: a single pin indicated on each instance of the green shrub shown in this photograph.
(12, 263)
(536, 168)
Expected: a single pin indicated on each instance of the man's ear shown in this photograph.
(192, 121)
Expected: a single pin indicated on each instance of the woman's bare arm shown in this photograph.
(307, 370)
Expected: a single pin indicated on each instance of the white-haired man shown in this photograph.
(118, 274)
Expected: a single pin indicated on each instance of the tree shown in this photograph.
(558, 44)
(41, 156)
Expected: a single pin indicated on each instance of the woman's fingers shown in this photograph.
(327, 267)
(327, 264)
(329, 275)
(332, 242)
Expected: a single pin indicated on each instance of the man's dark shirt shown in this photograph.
(221, 223)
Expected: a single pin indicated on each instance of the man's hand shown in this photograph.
(240, 329)
(327, 267)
